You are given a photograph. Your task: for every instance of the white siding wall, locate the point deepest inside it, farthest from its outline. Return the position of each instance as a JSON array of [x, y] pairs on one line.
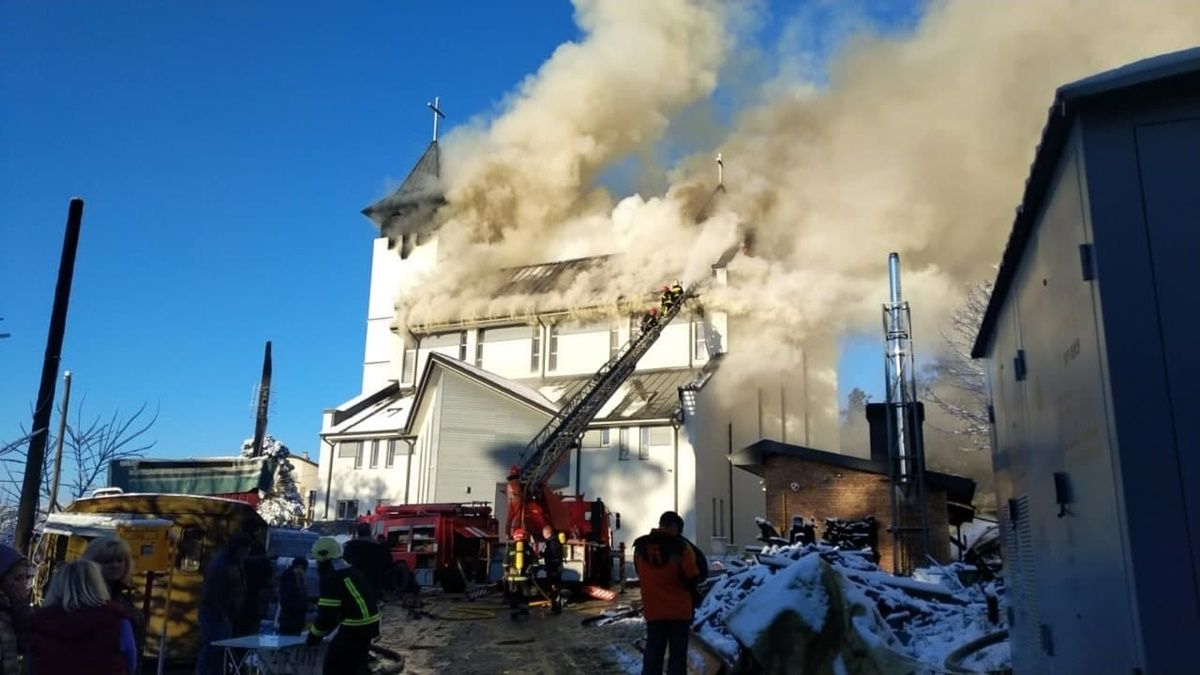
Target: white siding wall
[[482, 434], [671, 350], [580, 349], [369, 486], [508, 351], [639, 489], [389, 276]]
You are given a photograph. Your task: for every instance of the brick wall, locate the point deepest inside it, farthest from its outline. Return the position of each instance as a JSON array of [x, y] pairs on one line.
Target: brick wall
[[824, 491]]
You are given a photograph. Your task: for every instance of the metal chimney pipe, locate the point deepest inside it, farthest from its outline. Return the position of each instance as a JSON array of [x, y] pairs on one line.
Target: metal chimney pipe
[[894, 277]]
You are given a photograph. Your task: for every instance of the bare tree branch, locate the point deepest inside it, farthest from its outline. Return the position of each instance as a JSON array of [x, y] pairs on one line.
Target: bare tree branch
[[956, 382]]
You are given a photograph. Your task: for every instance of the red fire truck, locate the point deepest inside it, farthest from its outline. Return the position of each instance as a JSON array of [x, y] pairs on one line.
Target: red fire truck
[[446, 544]]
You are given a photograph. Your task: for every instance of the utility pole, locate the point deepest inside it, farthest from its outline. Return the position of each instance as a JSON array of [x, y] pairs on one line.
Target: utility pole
[[36, 456], [264, 400], [58, 445]]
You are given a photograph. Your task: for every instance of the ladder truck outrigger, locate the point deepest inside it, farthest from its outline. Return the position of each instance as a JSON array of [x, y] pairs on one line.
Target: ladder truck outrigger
[[532, 504]]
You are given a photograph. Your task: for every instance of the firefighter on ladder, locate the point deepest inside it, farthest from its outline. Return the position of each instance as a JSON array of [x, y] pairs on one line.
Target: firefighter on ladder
[[346, 604], [649, 319], [671, 296]]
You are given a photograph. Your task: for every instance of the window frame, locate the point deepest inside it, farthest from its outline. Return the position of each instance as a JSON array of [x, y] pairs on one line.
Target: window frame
[[644, 443], [535, 350], [614, 339], [358, 456], [699, 341], [374, 454], [552, 349], [623, 444], [342, 508], [462, 346]]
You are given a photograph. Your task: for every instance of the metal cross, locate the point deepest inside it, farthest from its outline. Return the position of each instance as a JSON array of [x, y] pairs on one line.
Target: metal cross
[[720, 170], [437, 112]]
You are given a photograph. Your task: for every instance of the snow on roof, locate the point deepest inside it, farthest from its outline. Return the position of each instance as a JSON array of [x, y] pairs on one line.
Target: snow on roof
[[505, 385], [385, 416], [98, 523]]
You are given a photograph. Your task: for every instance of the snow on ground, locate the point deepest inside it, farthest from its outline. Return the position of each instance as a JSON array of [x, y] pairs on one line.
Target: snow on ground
[[913, 619]]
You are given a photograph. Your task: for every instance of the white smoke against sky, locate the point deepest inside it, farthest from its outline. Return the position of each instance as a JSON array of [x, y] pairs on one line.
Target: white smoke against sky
[[916, 143]]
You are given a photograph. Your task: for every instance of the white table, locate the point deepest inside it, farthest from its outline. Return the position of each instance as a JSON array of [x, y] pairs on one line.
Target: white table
[[273, 654]]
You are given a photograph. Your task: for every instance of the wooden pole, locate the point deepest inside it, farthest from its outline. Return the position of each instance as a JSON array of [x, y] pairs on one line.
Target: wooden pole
[[58, 444], [35, 458]]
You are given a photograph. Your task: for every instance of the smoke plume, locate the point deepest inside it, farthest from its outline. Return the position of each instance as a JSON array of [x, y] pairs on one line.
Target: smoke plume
[[916, 143]]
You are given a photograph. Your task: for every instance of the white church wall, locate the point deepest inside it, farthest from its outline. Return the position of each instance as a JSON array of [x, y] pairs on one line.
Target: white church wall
[[481, 435], [671, 350], [508, 351], [576, 349], [390, 275], [361, 475], [639, 487]]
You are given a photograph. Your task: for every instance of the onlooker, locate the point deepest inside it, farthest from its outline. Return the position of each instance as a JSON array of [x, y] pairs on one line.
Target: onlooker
[[293, 598], [346, 605], [667, 570], [115, 559], [14, 608], [552, 561], [258, 573], [369, 557], [221, 600], [78, 629]]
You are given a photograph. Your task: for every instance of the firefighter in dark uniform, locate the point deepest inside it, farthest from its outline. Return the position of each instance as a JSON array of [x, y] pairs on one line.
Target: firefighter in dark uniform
[[347, 604], [552, 559]]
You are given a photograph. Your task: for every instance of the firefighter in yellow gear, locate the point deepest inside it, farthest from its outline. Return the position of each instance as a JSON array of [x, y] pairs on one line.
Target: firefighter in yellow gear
[[347, 604]]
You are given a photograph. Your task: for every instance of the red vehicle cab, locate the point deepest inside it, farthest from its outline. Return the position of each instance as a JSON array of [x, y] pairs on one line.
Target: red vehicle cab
[[446, 544]]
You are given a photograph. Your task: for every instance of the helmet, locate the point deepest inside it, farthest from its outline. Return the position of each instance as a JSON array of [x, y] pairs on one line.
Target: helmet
[[326, 548], [653, 311]]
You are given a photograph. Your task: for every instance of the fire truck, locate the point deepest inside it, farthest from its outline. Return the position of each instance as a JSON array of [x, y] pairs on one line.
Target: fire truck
[[532, 503], [445, 544]]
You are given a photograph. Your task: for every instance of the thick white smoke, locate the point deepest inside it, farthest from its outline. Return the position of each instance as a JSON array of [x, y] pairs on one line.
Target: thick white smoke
[[917, 144]]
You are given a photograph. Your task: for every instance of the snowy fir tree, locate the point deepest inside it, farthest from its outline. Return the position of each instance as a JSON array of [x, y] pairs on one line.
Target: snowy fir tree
[[282, 506]]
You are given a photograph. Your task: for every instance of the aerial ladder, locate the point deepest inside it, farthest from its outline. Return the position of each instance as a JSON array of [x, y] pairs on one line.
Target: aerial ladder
[[533, 504]]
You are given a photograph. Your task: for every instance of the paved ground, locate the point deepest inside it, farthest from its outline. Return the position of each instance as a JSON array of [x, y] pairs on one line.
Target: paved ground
[[480, 637]]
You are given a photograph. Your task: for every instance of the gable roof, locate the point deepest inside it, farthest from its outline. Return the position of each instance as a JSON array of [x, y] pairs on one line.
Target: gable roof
[[646, 395], [549, 276], [1068, 101], [513, 390]]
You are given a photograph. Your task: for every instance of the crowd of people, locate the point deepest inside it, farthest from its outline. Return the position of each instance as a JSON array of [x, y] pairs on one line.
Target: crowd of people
[[87, 622]]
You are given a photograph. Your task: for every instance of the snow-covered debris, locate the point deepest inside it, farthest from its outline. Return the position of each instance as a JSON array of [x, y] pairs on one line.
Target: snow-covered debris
[[282, 506], [822, 609]]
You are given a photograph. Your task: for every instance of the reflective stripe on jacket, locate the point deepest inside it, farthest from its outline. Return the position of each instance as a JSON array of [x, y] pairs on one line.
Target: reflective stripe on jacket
[[346, 601]]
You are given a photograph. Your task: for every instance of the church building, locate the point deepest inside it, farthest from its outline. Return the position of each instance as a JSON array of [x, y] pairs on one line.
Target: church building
[[446, 410]]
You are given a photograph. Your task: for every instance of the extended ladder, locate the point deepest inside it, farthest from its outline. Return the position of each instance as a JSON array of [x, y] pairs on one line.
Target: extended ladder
[[546, 451]]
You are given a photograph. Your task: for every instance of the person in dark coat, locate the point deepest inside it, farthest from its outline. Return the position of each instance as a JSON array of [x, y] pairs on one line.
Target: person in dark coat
[[293, 598], [552, 561], [259, 573], [14, 609], [78, 629], [115, 559], [221, 599], [370, 557]]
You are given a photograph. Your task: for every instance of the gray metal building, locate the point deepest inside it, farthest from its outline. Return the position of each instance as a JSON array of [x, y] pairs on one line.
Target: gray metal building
[[1092, 341]]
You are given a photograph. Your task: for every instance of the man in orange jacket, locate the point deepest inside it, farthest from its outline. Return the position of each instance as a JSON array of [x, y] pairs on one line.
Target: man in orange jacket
[[667, 571]]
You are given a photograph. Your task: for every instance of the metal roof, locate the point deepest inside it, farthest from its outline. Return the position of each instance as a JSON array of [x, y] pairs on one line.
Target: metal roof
[[422, 187], [547, 277], [646, 395], [1068, 100]]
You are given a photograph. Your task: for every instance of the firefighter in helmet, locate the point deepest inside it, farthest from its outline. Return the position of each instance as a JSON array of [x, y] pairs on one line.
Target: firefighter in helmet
[[346, 604], [649, 319]]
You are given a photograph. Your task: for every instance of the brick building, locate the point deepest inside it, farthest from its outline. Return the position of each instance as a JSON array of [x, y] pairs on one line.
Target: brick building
[[817, 484]]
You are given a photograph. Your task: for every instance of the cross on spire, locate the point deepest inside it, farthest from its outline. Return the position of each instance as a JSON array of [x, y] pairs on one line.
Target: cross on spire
[[720, 171], [437, 112]]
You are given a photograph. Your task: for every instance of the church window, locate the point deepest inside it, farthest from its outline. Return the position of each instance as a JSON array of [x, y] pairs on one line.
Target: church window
[[623, 445], [699, 341], [349, 449], [614, 340], [479, 351], [409, 369], [552, 355], [644, 445], [374, 454], [393, 449], [347, 509], [597, 438], [535, 354], [462, 345]]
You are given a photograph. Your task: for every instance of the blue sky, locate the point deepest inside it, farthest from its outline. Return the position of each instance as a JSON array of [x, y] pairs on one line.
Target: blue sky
[[224, 150]]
